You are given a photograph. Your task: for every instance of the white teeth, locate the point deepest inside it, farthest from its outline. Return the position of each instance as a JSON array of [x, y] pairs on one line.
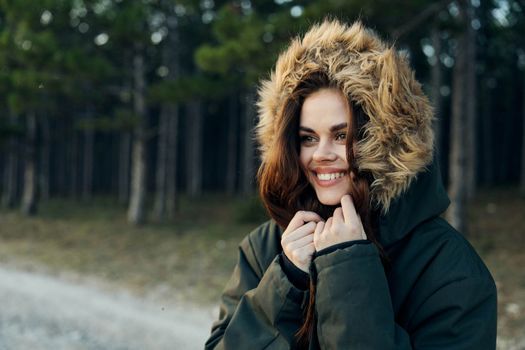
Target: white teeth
[[330, 176]]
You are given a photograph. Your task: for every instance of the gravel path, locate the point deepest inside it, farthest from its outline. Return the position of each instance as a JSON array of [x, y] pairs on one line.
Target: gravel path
[[45, 313], [40, 312]]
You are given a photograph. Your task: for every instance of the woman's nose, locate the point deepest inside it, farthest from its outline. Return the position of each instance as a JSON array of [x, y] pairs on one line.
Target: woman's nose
[[324, 152]]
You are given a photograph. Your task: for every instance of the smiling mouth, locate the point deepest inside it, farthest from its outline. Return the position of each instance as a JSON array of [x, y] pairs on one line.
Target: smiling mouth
[[329, 179], [329, 176]]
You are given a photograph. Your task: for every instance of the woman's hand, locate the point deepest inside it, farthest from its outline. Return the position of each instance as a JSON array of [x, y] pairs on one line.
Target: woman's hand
[[345, 225], [298, 239]]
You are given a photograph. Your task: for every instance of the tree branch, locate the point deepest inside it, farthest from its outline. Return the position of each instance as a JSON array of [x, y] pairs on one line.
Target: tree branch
[[417, 20]]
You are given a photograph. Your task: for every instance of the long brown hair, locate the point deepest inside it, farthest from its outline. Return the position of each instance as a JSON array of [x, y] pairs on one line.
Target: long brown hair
[[284, 188]]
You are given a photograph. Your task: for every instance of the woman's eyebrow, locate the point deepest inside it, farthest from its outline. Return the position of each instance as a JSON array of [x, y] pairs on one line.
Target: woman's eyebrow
[[338, 127], [304, 128], [332, 128]]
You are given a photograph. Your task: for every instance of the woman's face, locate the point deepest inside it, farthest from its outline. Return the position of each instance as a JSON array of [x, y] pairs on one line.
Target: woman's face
[[325, 116]]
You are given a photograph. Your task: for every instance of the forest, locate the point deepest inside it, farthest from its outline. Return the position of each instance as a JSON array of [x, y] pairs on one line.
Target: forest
[[147, 101]]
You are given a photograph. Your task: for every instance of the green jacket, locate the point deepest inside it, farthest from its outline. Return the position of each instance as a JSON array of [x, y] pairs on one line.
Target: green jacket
[[435, 292]]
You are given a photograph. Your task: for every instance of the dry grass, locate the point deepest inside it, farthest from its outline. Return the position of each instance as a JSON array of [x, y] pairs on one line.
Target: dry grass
[[497, 230], [191, 259]]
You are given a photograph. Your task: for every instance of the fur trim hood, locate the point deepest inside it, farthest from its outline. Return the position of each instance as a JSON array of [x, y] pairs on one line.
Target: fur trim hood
[[398, 138]]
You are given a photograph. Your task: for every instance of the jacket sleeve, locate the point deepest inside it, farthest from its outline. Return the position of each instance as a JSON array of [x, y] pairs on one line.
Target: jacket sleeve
[[354, 308], [260, 308]]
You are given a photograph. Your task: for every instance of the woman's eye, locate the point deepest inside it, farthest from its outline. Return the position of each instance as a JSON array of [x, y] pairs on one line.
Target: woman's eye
[[306, 139], [340, 136]]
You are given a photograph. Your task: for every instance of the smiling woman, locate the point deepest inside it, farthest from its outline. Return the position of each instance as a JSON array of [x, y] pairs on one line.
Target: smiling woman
[[325, 118], [355, 255]]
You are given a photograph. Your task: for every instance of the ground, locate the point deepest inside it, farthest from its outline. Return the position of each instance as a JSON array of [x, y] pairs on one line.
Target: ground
[[183, 265], [49, 313]]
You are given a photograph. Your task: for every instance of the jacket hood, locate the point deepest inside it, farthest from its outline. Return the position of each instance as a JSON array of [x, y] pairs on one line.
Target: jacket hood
[[398, 138], [426, 198]]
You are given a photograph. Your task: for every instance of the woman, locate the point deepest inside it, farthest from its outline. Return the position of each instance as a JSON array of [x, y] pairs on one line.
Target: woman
[[356, 255]]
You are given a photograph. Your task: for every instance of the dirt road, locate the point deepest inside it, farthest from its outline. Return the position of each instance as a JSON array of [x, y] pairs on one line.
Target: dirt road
[[46, 313]]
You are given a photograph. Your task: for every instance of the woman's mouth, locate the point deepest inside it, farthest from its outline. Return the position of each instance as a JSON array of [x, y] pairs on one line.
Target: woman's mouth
[[329, 179]]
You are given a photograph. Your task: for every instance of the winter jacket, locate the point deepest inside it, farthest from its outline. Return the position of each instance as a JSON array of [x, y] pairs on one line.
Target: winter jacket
[[433, 292]]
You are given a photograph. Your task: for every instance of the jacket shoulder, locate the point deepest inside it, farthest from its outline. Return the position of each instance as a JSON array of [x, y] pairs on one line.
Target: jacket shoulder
[[262, 245]]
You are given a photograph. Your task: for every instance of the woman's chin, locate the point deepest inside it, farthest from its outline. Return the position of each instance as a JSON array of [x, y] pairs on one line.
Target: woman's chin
[[330, 198], [331, 195]]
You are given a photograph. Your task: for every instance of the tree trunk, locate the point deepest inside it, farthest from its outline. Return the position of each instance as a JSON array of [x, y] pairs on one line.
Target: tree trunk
[[45, 159], [173, 64], [171, 162], [11, 170], [29, 196], [247, 175], [159, 209], [138, 176], [63, 147], [73, 164], [488, 151], [457, 170], [437, 81], [194, 155], [165, 185], [471, 104], [231, 163], [87, 179], [123, 167], [522, 177], [166, 180]]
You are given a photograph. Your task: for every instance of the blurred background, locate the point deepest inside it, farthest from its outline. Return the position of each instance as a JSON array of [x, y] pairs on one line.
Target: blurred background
[[126, 146]]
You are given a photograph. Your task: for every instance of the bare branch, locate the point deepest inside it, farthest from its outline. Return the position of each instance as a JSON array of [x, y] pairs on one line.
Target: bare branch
[[417, 20]]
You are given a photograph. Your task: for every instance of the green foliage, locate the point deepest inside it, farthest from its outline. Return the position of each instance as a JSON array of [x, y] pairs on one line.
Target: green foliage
[[129, 22], [60, 67], [218, 59], [33, 52], [240, 50], [172, 90], [186, 88]]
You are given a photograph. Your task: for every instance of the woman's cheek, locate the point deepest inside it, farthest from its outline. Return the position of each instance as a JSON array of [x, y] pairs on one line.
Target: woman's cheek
[[305, 157]]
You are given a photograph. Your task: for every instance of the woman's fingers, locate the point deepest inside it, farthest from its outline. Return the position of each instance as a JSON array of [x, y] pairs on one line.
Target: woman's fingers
[[345, 225], [328, 225], [300, 243], [318, 231], [300, 232], [302, 223], [302, 217], [322, 234], [349, 212], [338, 218], [352, 218]]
